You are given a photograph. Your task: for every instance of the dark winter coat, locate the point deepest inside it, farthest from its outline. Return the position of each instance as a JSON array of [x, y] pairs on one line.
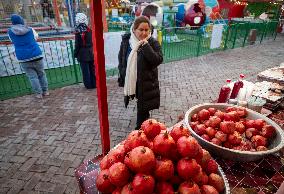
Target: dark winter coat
[[84, 47], [149, 57]]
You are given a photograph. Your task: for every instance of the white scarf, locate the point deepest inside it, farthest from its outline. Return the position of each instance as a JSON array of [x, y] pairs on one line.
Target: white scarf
[[131, 69]]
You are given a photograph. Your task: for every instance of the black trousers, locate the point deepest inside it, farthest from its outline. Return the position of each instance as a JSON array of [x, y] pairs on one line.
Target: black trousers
[[141, 117], [89, 77]]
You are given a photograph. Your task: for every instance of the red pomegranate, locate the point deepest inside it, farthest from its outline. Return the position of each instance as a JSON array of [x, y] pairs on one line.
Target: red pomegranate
[[268, 131], [219, 114], [208, 189], [212, 111], [163, 144], [164, 169], [104, 163], [116, 155], [188, 147], [240, 127], [200, 129], [194, 118], [206, 137], [200, 178], [216, 141], [127, 161], [211, 132], [128, 189], [119, 174], [231, 116], [235, 138], [141, 159], [259, 140], [164, 188], [227, 127], [214, 121], [143, 184], [151, 128], [221, 136], [187, 168], [259, 123], [211, 167], [188, 187], [103, 182], [203, 158], [203, 115], [179, 131], [216, 181], [135, 139], [249, 123], [194, 124]]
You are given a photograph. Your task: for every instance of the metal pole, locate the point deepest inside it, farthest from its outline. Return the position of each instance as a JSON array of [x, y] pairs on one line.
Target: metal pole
[[70, 12], [99, 58]]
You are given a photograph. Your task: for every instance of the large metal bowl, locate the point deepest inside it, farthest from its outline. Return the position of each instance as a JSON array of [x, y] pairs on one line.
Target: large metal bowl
[[275, 145]]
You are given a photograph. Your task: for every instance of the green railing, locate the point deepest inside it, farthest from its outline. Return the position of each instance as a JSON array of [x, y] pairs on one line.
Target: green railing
[[60, 66], [177, 43], [182, 43]]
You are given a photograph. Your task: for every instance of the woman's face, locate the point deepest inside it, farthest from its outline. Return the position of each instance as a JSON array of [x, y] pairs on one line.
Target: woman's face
[[142, 31]]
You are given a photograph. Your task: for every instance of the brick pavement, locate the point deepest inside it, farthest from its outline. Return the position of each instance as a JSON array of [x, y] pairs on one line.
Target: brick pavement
[[43, 141]]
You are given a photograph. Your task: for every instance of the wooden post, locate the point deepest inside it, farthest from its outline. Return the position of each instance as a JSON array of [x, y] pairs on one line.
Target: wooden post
[[99, 58], [57, 14]]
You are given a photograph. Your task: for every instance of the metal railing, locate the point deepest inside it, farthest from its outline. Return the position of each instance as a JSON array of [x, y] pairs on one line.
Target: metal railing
[[60, 66], [180, 43]]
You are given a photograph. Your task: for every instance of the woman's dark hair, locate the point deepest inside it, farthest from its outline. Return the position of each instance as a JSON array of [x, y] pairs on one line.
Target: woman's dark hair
[[139, 20]]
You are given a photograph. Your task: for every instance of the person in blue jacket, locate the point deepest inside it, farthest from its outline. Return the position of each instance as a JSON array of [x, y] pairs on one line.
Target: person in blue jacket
[[29, 54]]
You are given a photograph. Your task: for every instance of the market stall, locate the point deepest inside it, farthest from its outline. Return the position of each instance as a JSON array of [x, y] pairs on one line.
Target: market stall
[[242, 171]]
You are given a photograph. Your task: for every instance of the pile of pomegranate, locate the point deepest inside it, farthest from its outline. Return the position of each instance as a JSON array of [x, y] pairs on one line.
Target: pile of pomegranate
[[154, 160], [231, 129]]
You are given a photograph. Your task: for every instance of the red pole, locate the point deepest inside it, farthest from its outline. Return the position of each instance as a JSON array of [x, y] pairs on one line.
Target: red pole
[[57, 15], [99, 58]]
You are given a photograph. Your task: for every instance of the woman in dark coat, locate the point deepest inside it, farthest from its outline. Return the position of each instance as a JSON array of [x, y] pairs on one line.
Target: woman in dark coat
[[84, 50], [139, 58]]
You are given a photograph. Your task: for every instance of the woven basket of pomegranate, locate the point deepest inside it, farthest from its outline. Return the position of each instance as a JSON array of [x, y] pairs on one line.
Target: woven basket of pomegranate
[[233, 132], [158, 160]]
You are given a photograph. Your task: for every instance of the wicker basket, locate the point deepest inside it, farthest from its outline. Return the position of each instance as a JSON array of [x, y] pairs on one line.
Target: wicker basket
[[236, 155]]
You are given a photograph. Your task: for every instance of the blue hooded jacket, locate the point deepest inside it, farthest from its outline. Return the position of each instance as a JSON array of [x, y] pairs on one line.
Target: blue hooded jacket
[[26, 47]]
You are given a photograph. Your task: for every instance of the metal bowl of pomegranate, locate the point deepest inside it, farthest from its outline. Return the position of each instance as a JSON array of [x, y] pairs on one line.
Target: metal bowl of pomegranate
[[233, 132]]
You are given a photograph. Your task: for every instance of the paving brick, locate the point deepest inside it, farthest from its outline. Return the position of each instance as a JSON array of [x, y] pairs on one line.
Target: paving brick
[[70, 172], [56, 152], [50, 140], [23, 175], [61, 179], [26, 166], [39, 168], [59, 189], [45, 187]]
